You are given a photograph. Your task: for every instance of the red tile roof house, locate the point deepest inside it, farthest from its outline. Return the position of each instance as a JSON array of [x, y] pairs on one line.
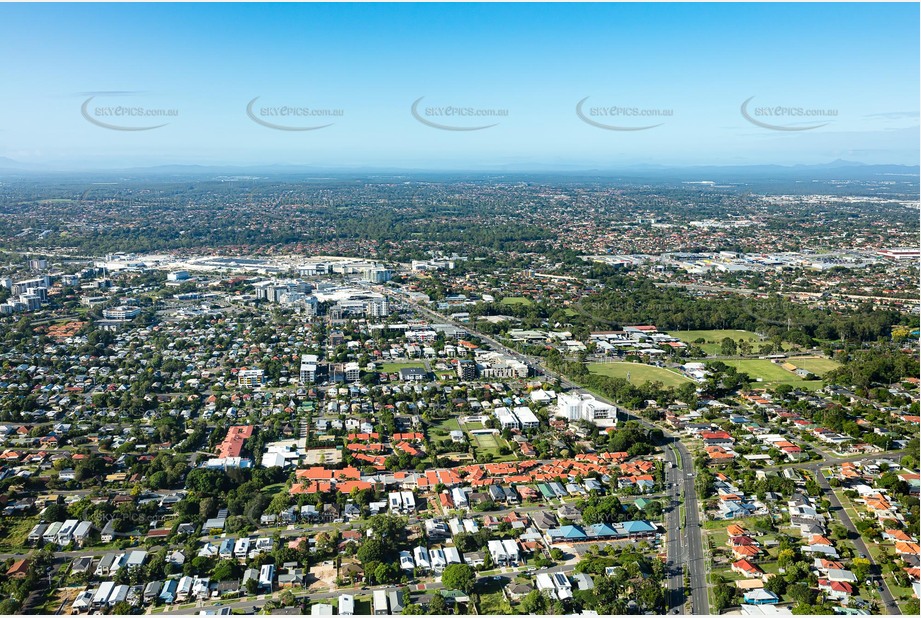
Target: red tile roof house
[[717, 438], [746, 568], [839, 591], [19, 570]]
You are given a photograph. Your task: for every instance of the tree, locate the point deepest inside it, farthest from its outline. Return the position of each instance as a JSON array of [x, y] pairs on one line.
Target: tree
[[534, 602], [225, 570], [861, 568], [776, 584], [725, 597], [386, 573], [9, 606], [801, 593], [372, 550], [728, 346], [438, 605], [459, 577]]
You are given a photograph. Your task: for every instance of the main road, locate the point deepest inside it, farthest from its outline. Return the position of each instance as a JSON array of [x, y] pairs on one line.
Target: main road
[[683, 551]]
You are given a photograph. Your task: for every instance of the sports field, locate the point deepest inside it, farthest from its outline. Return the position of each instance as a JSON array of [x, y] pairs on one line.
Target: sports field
[[818, 366], [764, 369], [639, 373], [395, 367], [713, 338], [516, 300], [486, 441], [771, 374]]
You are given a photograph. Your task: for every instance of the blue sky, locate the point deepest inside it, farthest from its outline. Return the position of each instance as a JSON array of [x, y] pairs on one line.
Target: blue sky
[[857, 64]]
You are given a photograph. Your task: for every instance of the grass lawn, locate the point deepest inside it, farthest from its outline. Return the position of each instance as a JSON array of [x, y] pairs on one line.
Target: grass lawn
[[719, 537], [273, 489], [363, 606], [486, 441], [728, 574], [764, 369], [818, 366], [639, 373], [493, 604], [395, 367], [713, 338], [14, 531], [447, 425], [516, 300], [721, 524], [771, 374]]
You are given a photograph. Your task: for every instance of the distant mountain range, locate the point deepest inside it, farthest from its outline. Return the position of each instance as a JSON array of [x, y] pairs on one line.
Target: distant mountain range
[[838, 169]]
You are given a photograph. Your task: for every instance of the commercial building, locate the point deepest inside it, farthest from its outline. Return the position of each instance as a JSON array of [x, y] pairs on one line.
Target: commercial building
[[584, 407], [250, 378]]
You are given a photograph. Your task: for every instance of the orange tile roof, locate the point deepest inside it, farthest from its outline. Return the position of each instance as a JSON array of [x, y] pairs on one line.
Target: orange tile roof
[[902, 547], [898, 535], [232, 445], [735, 530]]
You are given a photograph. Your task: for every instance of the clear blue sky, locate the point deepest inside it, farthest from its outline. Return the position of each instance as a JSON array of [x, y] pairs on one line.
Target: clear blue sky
[[536, 61]]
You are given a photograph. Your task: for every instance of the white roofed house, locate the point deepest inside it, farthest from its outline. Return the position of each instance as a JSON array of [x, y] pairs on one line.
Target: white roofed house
[[545, 584], [65, 533], [346, 605], [584, 407], [422, 558], [439, 561], [563, 587], [379, 600], [83, 601], [267, 577], [459, 497], [452, 556], [511, 550], [185, 587], [101, 597], [119, 594], [135, 558], [506, 418], [82, 533], [406, 561], [497, 552], [526, 418]]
